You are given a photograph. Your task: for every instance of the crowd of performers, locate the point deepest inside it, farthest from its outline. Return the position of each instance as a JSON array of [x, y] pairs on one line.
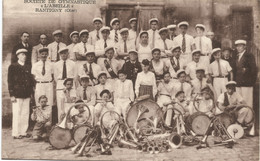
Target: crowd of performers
[[108, 69]]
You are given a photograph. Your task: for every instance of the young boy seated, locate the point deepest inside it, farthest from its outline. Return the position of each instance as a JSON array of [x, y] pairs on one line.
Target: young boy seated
[[42, 115], [103, 84], [69, 95], [79, 114], [103, 107]]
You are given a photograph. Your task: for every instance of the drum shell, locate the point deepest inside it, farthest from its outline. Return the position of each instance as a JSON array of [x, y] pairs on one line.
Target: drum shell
[[60, 138], [226, 119], [80, 131], [198, 122]]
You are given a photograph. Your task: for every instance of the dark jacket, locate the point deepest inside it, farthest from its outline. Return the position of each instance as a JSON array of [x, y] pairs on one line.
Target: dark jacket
[[20, 81], [247, 77], [129, 67], [14, 58]]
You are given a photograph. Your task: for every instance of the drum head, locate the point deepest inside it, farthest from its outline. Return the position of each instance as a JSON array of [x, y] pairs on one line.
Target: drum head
[[60, 138], [153, 111], [248, 115], [80, 131], [225, 119], [236, 131], [200, 123]]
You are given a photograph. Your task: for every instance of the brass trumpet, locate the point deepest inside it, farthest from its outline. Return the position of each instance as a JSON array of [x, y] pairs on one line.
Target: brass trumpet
[[122, 141], [175, 141]]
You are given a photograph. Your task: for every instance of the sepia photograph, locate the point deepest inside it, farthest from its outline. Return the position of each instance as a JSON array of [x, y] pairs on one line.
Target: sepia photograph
[[149, 80]]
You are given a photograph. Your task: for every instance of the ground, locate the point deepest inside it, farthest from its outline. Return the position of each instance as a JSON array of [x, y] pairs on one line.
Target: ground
[[246, 149]]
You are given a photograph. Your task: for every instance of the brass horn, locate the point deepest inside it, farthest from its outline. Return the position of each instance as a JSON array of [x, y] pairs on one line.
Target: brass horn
[[111, 139], [76, 148], [122, 141], [175, 141]]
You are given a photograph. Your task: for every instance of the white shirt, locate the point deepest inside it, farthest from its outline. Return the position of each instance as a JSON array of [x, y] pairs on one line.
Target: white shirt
[[158, 67], [37, 71], [115, 65], [186, 88], [99, 88], [58, 71], [72, 55], [233, 99], [198, 85], [204, 44], [112, 35], [189, 41], [95, 68], [124, 90], [159, 43], [120, 47], [132, 35], [79, 48], [93, 37], [145, 79], [169, 65], [144, 53], [191, 68], [165, 88], [150, 34], [35, 52], [100, 46], [53, 51], [224, 66]]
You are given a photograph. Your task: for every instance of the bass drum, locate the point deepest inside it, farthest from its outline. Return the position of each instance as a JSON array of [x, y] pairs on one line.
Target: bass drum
[[226, 119], [198, 122], [60, 137], [80, 131], [154, 111]]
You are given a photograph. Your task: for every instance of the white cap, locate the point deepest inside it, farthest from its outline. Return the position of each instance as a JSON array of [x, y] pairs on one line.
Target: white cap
[[176, 47], [171, 26], [83, 31], [240, 42], [74, 32], [21, 51], [108, 48], [132, 51], [155, 49], [113, 20], [57, 32], [142, 32], [153, 19], [201, 26], [200, 68], [196, 51], [231, 83], [132, 19], [215, 50], [163, 29], [105, 28], [123, 30], [84, 76], [90, 52], [97, 19], [63, 49], [183, 23], [101, 72], [179, 72]]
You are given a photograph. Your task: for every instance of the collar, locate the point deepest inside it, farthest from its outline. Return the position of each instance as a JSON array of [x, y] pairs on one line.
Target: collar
[[25, 44], [21, 63], [241, 54]]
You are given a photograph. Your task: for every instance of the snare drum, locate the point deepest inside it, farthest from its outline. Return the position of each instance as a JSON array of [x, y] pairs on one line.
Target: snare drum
[[198, 122], [60, 137], [80, 131]]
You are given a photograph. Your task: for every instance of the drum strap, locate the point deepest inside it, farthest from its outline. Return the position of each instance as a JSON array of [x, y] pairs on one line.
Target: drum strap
[[111, 72], [226, 102]]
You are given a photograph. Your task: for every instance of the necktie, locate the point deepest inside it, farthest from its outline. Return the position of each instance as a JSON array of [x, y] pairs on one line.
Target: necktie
[[181, 86], [165, 45], [219, 69], [98, 35], [153, 39], [85, 49], [64, 72], [125, 47], [178, 64], [116, 36], [105, 45], [58, 56], [84, 94], [43, 68], [90, 71], [183, 44]]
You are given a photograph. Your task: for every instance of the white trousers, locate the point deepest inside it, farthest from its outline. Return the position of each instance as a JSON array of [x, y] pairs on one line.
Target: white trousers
[[219, 85], [121, 105], [59, 94], [20, 122], [44, 89]]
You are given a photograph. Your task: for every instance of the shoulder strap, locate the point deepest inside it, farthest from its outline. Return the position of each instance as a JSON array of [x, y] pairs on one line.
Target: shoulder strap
[[109, 69], [226, 102]]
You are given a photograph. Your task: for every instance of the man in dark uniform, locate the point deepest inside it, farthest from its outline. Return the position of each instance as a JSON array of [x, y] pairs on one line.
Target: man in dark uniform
[[24, 44], [20, 86], [132, 67]]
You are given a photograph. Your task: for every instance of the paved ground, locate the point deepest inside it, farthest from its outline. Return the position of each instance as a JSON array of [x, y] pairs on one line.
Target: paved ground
[[247, 149]]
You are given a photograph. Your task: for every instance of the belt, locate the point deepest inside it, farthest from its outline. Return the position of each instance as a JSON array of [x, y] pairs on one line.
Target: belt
[[166, 95], [220, 77], [43, 81]]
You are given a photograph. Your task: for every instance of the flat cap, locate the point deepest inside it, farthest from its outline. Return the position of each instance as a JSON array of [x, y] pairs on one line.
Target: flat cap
[[74, 33], [132, 51], [200, 26], [176, 47], [44, 49], [123, 30], [97, 19], [113, 21], [83, 31], [155, 49], [183, 23], [105, 28], [215, 50], [57, 32], [196, 51], [231, 83], [180, 72], [153, 19], [63, 49], [109, 48], [163, 29], [240, 42], [21, 51], [132, 19], [171, 26]]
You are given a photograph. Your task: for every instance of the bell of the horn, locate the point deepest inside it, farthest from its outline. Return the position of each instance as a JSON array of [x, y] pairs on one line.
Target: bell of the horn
[[122, 141], [82, 149], [75, 148], [175, 141]]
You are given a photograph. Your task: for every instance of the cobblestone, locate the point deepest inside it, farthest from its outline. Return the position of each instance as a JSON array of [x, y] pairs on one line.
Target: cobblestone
[[246, 149]]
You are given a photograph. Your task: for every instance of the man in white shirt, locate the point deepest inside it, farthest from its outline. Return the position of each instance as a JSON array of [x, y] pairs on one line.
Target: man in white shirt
[[171, 31], [65, 68], [35, 49], [203, 43], [95, 35], [181, 85], [185, 40], [74, 37], [114, 33], [132, 30], [43, 74], [164, 44], [153, 32], [55, 46]]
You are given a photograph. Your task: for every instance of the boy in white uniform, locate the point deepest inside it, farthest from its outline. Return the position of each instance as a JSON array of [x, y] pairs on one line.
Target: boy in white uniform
[[153, 33], [114, 33], [74, 37], [132, 30], [164, 44], [95, 35], [181, 85], [55, 46]]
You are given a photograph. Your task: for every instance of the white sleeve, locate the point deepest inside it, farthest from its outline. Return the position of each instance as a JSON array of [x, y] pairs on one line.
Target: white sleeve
[[137, 85]]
